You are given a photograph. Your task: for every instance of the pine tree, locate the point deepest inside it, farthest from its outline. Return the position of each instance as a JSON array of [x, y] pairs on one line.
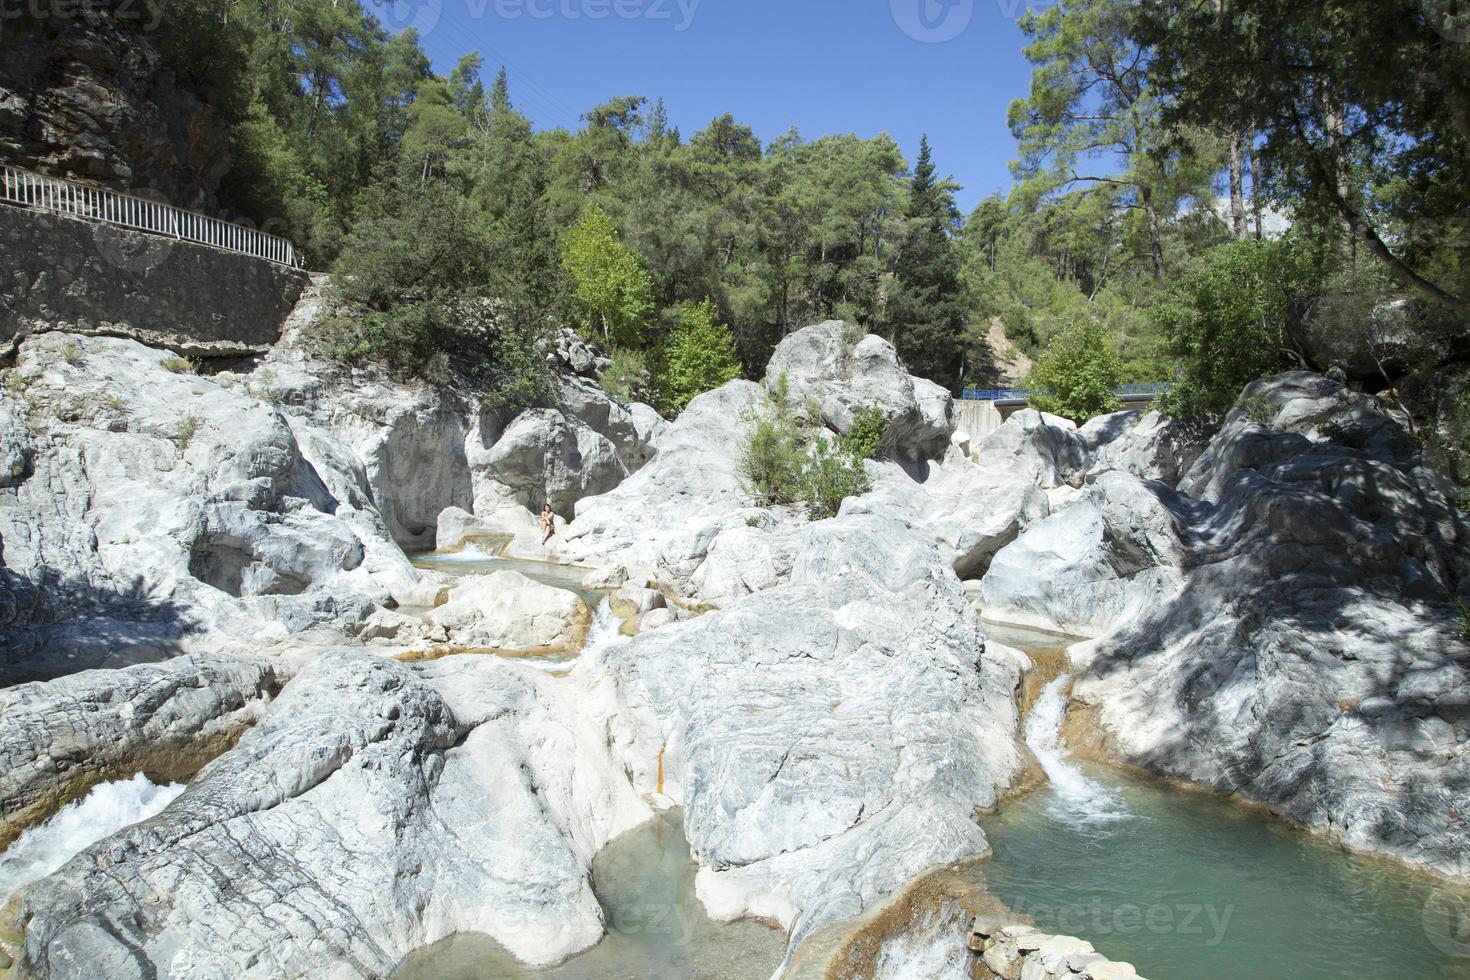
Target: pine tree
[[926, 311]]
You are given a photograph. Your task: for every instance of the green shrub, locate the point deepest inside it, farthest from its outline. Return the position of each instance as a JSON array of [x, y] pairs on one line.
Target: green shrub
[[450, 337], [1259, 410], [628, 378], [829, 475], [865, 438], [188, 428], [1076, 375], [1227, 321], [1462, 608], [781, 464], [771, 454], [71, 353], [700, 356], [178, 365]]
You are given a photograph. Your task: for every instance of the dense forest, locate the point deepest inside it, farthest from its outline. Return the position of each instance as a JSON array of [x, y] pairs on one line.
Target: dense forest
[[1205, 190]]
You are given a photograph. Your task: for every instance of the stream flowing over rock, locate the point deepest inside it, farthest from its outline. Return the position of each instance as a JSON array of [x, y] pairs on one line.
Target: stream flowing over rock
[[1272, 615], [377, 808], [1283, 627]]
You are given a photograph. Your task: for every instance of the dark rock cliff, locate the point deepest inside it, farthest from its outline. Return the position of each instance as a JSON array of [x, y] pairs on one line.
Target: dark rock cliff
[[85, 93]]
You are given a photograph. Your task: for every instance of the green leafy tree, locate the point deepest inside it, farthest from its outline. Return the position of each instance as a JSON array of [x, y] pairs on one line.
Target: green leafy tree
[[609, 282], [699, 356], [1076, 376], [1227, 321], [1362, 106]]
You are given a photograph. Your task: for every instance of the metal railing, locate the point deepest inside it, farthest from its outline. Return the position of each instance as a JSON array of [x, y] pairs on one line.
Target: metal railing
[[1153, 389], [34, 190]]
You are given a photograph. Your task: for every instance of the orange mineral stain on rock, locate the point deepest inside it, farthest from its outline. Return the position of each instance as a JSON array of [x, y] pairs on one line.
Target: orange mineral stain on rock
[[661, 769]]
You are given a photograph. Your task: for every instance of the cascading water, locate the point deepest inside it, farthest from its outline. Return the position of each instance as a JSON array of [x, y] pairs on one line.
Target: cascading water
[[1076, 799], [605, 629], [108, 808]]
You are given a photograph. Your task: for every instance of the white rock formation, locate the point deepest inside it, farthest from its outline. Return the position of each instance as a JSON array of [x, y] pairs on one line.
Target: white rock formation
[[61, 737], [1032, 446], [377, 808], [1147, 446], [508, 611], [969, 512], [1291, 638], [1102, 561], [871, 722], [155, 505], [844, 372]]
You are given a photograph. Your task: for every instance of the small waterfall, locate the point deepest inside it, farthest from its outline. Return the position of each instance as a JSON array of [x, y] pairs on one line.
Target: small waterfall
[[108, 808], [606, 628], [928, 956], [1077, 800]]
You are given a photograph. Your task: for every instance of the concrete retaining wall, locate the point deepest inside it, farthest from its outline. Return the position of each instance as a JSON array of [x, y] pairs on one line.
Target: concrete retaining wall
[[977, 419], [61, 273]]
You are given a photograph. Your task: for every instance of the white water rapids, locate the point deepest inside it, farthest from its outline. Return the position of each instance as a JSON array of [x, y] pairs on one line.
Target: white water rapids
[[1077, 800], [108, 808]]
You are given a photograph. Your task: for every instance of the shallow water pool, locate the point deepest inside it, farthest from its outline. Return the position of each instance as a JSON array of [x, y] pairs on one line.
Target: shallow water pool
[[1187, 885], [657, 929]]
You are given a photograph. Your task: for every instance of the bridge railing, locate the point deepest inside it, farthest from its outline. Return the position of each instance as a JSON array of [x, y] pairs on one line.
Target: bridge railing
[[34, 190], [1023, 394]]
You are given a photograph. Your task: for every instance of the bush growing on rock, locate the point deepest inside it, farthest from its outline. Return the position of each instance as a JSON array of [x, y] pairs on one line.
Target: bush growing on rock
[[829, 475], [865, 437], [628, 378], [770, 454], [783, 464]]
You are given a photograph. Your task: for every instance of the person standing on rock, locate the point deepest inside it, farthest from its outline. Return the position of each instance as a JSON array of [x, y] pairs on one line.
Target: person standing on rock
[[548, 524]]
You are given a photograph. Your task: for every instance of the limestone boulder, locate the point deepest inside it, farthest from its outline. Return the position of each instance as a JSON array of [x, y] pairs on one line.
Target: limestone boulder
[[1107, 558], [1146, 445], [664, 517], [156, 509], [1290, 638], [61, 737], [1032, 446], [844, 372], [969, 513], [546, 457], [506, 610], [377, 808], [873, 720]]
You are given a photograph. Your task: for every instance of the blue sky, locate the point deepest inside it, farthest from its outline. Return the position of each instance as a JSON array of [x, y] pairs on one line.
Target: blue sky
[[827, 66]]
